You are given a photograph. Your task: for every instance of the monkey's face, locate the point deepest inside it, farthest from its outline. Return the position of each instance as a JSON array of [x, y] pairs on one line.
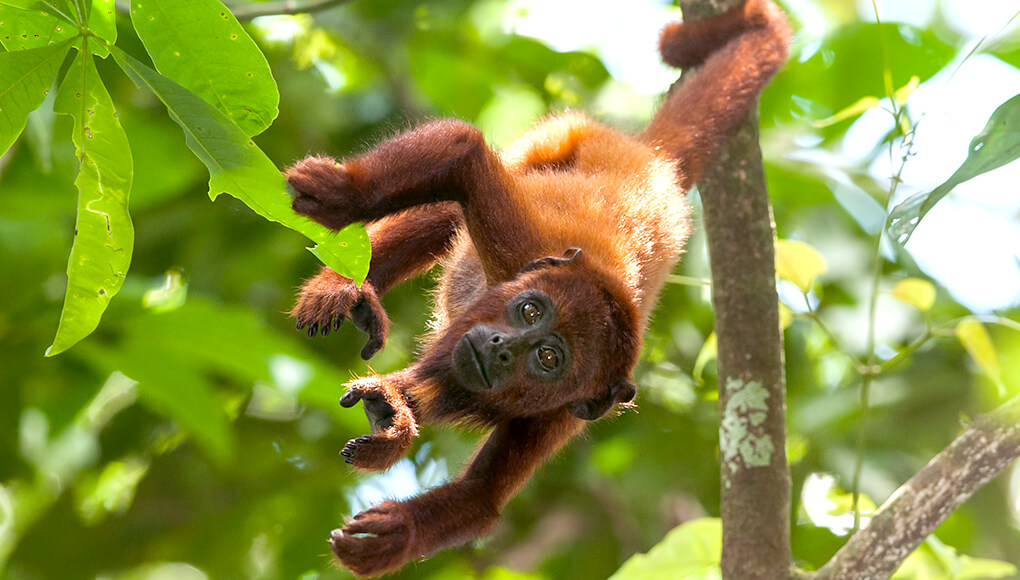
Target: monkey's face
[[487, 357], [554, 336]]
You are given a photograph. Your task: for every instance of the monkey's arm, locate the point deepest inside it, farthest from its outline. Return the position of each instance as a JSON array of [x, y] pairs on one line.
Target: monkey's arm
[[441, 161], [403, 245], [738, 53], [384, 538]]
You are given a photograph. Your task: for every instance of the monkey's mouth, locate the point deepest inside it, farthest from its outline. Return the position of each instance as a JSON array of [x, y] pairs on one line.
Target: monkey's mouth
[[469, 366]]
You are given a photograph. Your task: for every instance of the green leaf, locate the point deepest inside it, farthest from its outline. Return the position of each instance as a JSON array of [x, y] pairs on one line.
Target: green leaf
[[690, 551], [799, 263], [983, 568], [708, 353], [973, 336], [201, 46], [25, 78], [916, 292], [169, 384], [996, 145], [104, 236], [238, 167], [25, 28], [103, 21]]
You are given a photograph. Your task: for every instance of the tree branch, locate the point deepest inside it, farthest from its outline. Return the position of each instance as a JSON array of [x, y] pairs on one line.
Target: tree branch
[[246, 12], [913, 512], [755, 502]]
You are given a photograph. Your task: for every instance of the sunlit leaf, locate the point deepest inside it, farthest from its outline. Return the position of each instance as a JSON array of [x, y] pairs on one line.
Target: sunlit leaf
[[903, 93], [112, 491], [785, 316], [996, 145], [103, 21], [104, 236], [854, 110], [25, 78], [239, 168], [32, 27], [799, 263], [201, 46], [690, 551], [170, 296], [973, 336], [708, 353], [916, 292], [982, 568]]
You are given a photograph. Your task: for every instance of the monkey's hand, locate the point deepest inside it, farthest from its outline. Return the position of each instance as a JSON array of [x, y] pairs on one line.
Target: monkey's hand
[[324, 190], [328, 299], [376, 541], [389, 535], [393, 425]]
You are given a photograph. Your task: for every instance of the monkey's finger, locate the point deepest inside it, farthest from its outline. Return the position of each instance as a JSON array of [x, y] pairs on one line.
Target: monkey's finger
[[371, 347], [351, 398], [362, 315]]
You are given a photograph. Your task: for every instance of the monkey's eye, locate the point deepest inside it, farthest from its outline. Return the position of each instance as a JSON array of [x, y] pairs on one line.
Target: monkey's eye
[[548, 358], [530, 313]]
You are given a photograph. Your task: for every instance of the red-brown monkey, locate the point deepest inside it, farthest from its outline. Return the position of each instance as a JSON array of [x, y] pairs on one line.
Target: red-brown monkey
[[556, 250]]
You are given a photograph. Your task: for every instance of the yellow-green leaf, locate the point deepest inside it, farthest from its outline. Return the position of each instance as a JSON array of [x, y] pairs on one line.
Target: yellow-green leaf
[[25, 77], [904, 92], [103, 234], [973, 336], [799, 263], [862, 104], [709, 352], [916, 292]]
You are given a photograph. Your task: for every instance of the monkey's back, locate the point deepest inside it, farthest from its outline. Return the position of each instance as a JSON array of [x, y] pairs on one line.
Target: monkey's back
[[582, 185]]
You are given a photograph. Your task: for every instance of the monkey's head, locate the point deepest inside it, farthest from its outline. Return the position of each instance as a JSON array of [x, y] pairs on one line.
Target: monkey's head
[[560, 334]]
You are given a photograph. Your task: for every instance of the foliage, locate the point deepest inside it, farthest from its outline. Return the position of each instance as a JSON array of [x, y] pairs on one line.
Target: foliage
[[194, 433]]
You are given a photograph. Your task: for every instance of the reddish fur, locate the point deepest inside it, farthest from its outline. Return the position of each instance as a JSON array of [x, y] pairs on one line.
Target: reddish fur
[[567, 183]]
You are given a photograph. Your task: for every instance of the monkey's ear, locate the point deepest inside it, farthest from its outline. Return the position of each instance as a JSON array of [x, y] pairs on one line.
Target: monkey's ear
[[569, 256], [622, 391]]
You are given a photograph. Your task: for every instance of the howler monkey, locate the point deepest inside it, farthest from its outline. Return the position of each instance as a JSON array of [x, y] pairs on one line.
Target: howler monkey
[[555, 251]]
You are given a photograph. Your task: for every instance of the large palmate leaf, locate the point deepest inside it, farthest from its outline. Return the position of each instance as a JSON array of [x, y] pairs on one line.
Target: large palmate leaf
[[25, 77], [103, 234], [996, 145], [201, 46], [32, 27], [238, 167]]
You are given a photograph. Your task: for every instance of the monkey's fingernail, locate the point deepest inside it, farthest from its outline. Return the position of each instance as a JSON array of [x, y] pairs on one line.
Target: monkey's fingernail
[[349, 399], [325, 329], [345, 452], [337, 321], [300, 323], [313, 330]]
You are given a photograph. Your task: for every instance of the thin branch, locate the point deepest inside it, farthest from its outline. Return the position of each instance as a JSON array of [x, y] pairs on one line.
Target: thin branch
[[246, 12], [913, 512]]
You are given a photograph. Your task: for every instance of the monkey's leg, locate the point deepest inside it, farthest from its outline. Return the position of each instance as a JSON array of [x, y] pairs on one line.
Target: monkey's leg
[[403, 245], [384, 538]]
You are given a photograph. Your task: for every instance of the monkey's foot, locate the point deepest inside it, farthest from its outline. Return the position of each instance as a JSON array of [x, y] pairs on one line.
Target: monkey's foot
[[376, 541]]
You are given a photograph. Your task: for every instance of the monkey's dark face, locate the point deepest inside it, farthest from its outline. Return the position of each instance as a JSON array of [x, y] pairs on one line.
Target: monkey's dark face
[[488, 357], [554, 336]]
